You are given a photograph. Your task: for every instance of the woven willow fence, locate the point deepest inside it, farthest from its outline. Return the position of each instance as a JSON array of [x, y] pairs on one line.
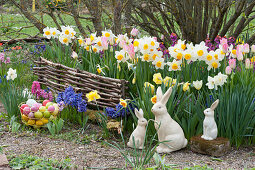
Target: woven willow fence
[[58, 77]]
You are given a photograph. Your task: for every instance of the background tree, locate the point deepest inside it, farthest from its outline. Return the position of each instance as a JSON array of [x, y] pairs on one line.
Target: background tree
[[193, 20]]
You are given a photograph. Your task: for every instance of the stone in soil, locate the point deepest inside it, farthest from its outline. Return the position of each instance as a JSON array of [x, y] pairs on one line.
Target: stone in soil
[[217, 147], [3, 161]]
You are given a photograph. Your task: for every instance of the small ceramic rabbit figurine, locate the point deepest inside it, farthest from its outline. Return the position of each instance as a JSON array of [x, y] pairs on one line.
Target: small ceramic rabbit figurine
[[170, 133], [138, 134], [210, 130]]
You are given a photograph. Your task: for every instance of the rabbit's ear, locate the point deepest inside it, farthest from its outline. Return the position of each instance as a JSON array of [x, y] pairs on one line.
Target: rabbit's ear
[[137, 113], [215, 104], [166, 96], [159, 93], [141, 112]]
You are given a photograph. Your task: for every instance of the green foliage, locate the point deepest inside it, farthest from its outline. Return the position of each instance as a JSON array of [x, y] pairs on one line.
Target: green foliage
[[235, 113], [55, 126], [33, 162], [135, 158], [160, 163], [14, 126], [11, 98], [102, 121]]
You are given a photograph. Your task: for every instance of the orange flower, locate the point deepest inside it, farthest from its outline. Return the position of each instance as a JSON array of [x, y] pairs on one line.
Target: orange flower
[[154, 99], [1, 44]]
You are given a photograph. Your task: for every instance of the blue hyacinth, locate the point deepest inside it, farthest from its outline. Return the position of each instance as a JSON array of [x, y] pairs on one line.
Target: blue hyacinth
[[120, 111], [69, 97]]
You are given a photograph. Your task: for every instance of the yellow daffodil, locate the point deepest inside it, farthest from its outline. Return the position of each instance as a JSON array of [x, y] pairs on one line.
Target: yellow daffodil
[[186, 86], [157, 78], [92, 96], [123, 103], [148, 85], [154, 99]]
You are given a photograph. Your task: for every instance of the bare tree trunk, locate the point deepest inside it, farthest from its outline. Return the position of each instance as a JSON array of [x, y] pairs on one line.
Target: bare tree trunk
[[94, 7], [117, 6], [127, 19], [241, 25], [40, 26], [76, 17]]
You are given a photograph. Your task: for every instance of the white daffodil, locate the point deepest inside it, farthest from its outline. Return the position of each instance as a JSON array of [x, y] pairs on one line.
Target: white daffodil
[[198, 84], [64, 39], [81, 41], [68, 31], [74, 55], [54, 32], [47, 32], [210, 83], [201, 50], [11, 74], [121, 56], [174, 65], [159, 63]]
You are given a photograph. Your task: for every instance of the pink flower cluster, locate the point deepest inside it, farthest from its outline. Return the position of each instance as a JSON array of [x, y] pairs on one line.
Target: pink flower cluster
[[3, 59], [36, 90]]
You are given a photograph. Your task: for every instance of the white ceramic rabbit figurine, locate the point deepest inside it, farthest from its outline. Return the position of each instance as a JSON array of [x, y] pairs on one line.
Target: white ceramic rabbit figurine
[[138, 134], [170, 133], [210, 130]]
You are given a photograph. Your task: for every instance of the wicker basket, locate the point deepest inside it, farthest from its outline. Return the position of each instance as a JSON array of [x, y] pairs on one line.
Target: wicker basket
[[25, 119]]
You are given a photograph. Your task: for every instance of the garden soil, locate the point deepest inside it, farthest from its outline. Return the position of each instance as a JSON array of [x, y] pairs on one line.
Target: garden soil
[[96, 154]]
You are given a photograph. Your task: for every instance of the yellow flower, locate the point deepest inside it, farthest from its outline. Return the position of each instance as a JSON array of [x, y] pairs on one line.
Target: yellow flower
[[134, 80], [92, 96], [186, 86], [123, 103], [148, 85], [154, 99], [157, 78], [167, 81]]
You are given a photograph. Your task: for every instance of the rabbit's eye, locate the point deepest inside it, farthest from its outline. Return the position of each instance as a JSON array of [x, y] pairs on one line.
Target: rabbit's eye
[[159, 107]]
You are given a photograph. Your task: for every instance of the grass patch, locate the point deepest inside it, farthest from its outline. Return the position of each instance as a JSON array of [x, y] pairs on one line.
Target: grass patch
[[33, 162]]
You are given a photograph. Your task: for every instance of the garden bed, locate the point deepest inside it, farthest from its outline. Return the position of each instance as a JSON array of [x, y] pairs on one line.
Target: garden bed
[[57, 77]]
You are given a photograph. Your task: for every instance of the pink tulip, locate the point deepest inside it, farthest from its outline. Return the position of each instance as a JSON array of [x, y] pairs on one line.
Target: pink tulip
[[224, 44], [248, 64], [131, 51], [239, 52], [232, 63], [246, 48], [104, 42], [134, 32], [228, 70]]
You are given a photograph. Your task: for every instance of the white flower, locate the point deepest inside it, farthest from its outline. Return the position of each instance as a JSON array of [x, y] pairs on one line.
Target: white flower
[[198, 84], [11, 74], [174, 65], [26, 92], [47, 32], [81, 41], [64, 39], [74, 55], [54, 32], [121, 56], [210, 83], [159, 63], [68, 31], [220, 79], [253, 48], [201, 50]]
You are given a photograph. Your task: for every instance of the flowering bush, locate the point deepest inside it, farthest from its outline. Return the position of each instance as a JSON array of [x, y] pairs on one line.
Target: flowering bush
[[147, 64]]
